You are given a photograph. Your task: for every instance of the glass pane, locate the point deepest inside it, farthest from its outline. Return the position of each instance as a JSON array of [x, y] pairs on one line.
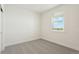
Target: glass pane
[[58, 23]]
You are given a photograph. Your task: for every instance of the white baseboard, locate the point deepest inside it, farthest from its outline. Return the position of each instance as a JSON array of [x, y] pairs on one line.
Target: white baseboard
[[35, 38], [30, 39], [45, 38]]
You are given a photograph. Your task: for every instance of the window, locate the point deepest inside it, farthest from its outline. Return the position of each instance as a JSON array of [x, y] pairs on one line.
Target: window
[[58, 22]]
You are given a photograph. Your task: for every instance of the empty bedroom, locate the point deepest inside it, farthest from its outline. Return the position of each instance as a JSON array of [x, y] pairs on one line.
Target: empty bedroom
[[39, 28]]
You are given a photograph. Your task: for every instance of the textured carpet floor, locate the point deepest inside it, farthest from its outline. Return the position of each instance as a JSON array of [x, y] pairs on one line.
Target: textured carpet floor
[[39, 46]]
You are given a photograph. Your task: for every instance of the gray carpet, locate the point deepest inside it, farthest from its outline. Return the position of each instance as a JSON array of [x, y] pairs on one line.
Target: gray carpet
[[38, 47]]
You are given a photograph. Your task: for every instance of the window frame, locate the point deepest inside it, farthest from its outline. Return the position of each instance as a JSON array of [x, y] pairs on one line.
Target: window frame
[[57, 14]]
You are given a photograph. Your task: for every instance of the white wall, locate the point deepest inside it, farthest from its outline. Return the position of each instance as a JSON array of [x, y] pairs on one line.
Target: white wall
[[70, 36], [21, 25]]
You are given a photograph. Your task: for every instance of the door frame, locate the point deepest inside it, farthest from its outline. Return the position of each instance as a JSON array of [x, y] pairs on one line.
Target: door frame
[[3, 27]]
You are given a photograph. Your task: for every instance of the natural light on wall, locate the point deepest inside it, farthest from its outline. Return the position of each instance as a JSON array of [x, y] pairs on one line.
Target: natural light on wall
[[58, 21]]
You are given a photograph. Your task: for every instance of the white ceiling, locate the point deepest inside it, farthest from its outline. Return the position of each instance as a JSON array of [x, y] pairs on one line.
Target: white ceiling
[[37, 7]]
